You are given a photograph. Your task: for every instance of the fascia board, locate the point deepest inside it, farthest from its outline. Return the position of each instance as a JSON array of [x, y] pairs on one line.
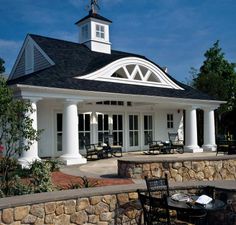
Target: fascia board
[[36, 91]]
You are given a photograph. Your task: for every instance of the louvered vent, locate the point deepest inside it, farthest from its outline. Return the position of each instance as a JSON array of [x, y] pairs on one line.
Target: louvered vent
[[39, 61]]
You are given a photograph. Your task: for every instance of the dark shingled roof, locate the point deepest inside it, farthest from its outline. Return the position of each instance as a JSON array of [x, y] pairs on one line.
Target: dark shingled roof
[[94, 15], [73, 59]]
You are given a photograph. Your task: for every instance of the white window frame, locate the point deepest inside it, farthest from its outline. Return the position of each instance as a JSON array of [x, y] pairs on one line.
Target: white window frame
[[170, 120], [84, 32], [100, 31]]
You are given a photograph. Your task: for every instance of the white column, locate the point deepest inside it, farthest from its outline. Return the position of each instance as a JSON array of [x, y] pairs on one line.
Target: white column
[[209, 130], [31, 155], [70, 137], [191, 144]]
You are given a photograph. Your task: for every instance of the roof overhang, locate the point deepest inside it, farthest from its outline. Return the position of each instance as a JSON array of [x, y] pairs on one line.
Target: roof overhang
[[27, 91]]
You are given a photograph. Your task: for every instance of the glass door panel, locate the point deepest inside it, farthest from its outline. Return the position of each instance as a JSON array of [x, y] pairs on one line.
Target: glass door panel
[[84, 130], [103, 127], [117, 129], [59, 132], [133, 130], [148, 130]]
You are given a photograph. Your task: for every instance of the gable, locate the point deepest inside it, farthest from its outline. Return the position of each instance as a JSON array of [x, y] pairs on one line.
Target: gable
[[30, 59], [133, 70]]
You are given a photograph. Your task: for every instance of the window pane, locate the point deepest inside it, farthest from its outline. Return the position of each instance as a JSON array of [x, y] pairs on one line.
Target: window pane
[[87, 122], [106, 122], [131, 138], [120, 138], [150, 122], [120, 122], [145, 122], [59, 142], [100, 122], [59, 122], [136, 138], [135, 122], [81, 122], [114, 122], [131, 127]]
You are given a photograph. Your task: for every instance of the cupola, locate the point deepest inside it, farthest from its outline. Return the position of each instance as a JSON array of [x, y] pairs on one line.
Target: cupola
[[94, 31]]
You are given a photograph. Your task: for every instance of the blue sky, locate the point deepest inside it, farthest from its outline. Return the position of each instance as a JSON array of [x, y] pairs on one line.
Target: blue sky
[[173, 33]]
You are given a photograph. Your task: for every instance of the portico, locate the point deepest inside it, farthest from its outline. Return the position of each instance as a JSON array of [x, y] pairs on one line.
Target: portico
[[87, 90]]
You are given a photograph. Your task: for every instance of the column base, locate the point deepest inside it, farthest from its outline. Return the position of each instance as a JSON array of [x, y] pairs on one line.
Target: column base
[[26, 161], [193, 149], [209, 147], [73, 159]]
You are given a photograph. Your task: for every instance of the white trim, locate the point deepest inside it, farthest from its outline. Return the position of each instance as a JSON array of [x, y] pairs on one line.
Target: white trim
[[105, 73], [22, 90], [28, 40]]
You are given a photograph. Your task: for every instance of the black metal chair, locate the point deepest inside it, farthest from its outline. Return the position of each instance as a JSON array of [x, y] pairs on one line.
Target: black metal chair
[[175, 142], [158, 190], [158, 184], [115, 149], [155, 147], [156, 212]]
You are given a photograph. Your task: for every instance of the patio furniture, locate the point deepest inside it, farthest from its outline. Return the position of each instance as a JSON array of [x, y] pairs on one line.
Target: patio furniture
[[157, 184], [94, 150], [155, 147], [156, 212], [115, 149], [175, 142]]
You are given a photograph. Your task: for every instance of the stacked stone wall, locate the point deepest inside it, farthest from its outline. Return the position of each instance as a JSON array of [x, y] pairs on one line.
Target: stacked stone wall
[[180, 170]]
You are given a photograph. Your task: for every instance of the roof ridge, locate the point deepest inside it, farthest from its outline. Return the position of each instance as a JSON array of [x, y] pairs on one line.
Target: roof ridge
[[56, 39]]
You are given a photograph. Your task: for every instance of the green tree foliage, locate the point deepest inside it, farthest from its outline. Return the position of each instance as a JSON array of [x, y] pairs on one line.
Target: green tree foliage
[[16, 132], [217, 78], [2, 68]]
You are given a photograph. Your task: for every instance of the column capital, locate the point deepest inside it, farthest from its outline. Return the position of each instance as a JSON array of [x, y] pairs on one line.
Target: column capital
[[72, 101], [209, 108], [32, 99], [191, 107]]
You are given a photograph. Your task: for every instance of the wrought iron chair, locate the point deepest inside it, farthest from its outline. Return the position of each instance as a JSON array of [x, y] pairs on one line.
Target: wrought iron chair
[[154, 213], [175, 142], [115, 149], [155, 147], [158, 190]]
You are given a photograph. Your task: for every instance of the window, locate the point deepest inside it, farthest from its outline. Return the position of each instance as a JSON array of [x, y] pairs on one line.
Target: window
[[59, 132], [170, 121], [100, 33], [85, 31]]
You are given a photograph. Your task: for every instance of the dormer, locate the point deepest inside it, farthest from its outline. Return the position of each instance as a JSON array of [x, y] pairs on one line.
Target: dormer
[[94, 32]]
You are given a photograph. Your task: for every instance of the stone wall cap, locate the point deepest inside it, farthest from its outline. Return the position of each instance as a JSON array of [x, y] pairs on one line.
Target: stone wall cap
[[156, 159]]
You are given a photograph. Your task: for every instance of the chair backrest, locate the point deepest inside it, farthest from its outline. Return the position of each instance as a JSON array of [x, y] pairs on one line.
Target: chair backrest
[[151, 208], [158, 184], [173, 136]]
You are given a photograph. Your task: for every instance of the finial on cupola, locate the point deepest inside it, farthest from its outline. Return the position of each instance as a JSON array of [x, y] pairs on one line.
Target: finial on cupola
[[94, 7]]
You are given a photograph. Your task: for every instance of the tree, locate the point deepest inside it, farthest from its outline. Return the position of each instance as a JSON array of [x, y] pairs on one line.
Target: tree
[[217, 78], [2, 68], [16, 131]]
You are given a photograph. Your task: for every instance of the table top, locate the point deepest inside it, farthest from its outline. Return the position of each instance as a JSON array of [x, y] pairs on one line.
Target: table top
[[214, 205]]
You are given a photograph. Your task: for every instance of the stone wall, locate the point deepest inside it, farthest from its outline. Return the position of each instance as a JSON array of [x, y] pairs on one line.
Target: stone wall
[[114, 205], [180, 169], [108, 209]]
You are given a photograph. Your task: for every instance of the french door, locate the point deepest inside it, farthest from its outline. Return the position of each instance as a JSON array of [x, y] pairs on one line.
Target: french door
[[103, 127], [117, 131], [110, 124], [84, 130], [147, 128], [134, 132]]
